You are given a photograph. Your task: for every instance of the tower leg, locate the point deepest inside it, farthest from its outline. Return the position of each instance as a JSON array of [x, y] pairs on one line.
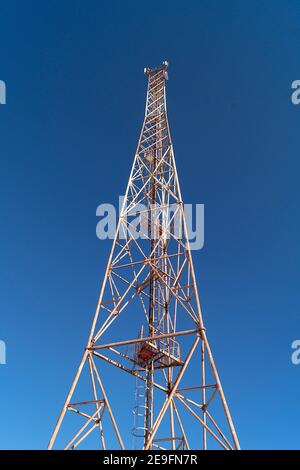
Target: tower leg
[[67, 402]]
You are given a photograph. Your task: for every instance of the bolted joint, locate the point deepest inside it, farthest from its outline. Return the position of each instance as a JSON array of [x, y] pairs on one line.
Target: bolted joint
[[200, 331]]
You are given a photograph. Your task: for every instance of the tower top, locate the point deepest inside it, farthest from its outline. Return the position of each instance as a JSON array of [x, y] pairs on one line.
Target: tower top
[[148, 71]]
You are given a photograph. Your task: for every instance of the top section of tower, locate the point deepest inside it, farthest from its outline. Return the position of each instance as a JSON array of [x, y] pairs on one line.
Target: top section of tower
[[163, 68], [156, 97]]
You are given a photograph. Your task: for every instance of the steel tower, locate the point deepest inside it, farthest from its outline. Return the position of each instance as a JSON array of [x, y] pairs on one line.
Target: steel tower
[[149, 285]]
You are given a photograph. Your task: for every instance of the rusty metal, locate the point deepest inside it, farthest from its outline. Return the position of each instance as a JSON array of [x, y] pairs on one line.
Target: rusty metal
[[156, 270]]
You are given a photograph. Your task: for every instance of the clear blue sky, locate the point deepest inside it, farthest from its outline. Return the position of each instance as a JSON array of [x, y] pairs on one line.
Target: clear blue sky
[[75, 103]]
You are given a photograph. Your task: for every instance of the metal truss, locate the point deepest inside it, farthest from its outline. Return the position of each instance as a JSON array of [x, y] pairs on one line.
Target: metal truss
[[152, 274]]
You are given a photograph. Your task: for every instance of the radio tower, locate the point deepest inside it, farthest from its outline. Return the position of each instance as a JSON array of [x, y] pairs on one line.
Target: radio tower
[[149, 288]]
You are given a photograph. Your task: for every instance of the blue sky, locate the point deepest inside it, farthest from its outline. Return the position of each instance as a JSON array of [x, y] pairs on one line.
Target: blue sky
[[75, 104]]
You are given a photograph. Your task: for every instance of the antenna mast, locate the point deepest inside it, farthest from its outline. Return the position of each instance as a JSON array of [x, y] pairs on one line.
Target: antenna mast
[[149, 282]]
